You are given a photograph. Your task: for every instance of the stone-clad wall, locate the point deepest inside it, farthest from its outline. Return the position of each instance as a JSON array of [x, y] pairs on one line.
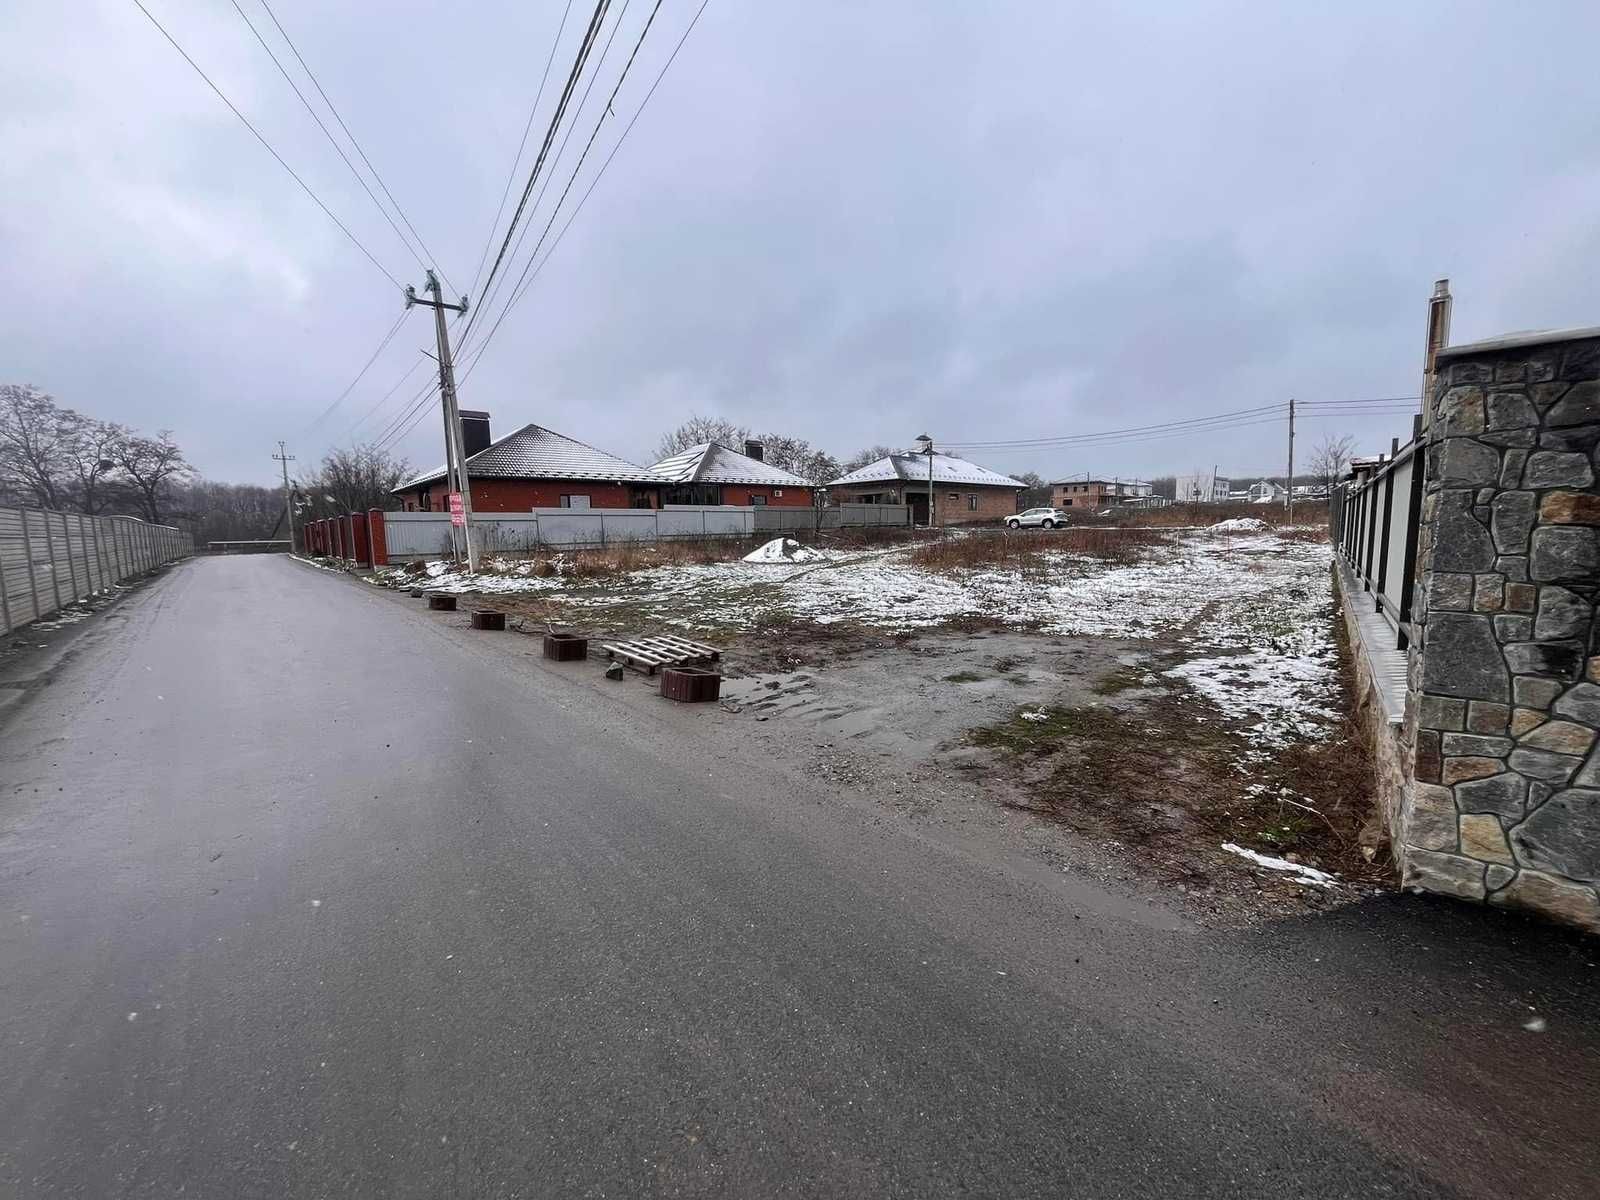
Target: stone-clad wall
[[1504, 696]]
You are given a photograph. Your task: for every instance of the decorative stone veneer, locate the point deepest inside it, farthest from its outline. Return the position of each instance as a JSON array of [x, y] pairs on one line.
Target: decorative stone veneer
[[1503, 698]]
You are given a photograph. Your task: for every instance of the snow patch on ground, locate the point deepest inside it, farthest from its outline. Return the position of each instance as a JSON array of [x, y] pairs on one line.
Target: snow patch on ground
[[1300, 871], [783, 550], [1239, 525]]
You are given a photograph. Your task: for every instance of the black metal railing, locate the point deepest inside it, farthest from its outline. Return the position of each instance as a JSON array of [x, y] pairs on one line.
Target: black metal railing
[[1374, 517]]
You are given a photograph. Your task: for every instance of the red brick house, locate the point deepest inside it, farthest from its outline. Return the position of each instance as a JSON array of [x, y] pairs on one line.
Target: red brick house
[[964, 493], [534, 467], [713, 474]]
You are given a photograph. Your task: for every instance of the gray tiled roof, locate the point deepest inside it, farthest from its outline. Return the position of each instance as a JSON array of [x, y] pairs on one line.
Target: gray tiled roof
[[534, 452], [913, 468], [711, 463]]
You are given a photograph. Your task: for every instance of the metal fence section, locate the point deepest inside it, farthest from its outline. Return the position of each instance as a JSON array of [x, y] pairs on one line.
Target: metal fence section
[[1374, 520], [50, 559], [422, 535], [835, 516]]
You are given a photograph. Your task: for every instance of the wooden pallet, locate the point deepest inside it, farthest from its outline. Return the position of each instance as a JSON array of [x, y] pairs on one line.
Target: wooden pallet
[[652, 653]]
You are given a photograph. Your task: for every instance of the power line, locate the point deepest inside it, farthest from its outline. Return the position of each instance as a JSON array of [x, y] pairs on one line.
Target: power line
[[339, 399], [395, 387], [593, 183], [311, 75], [511, 175], [338, 149], [1079, 437], [413, 408], [555, 121], [1149, 436], [355, 241], [582, 158], [566, 138]]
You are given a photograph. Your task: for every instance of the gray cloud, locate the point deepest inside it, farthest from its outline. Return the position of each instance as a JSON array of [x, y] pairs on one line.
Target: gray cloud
[[852, 223]]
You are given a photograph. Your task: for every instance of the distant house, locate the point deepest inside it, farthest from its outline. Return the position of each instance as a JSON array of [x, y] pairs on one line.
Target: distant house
[[1207, 488], [713, 474], [1266, 492], [534, 467], [963, 492], [1099, 493]]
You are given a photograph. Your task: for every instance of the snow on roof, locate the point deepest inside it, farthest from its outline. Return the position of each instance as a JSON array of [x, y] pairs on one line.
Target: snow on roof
[[534, 452], [712, 463], [914, 468]]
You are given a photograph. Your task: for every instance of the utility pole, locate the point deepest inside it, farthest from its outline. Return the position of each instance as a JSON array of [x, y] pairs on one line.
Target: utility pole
[[285, 458], [1289, 496], [928, 442], [1439, 307], [455, 459]]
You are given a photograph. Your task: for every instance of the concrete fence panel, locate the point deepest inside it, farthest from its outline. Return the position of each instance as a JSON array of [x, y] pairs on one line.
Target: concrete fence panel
[[49, 560]]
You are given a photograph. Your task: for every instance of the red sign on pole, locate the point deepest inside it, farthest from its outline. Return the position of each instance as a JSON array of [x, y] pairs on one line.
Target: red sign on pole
[[458, 515]]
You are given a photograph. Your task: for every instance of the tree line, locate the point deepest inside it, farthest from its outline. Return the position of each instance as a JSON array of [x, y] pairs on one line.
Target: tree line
[[52, 456]]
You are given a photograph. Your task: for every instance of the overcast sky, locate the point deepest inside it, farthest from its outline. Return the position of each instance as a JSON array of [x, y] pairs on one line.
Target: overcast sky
[[847, 222]]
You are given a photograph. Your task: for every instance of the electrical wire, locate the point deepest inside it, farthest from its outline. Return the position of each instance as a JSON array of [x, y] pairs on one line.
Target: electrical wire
[[511, 175], [311, 75], [593, 183], [1079, 437], [383, 399], [561, 150], [339, 399], [332, 141], [573, 75], [1132, 439], [417, 404], [305, 187]]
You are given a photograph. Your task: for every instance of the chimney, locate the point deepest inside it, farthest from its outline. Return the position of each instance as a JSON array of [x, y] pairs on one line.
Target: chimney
[[474, 432], [755, 450]]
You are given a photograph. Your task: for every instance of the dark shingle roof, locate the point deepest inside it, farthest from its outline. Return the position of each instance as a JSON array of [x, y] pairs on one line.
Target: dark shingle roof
[[913, 468], [711, 463], [534, 452]]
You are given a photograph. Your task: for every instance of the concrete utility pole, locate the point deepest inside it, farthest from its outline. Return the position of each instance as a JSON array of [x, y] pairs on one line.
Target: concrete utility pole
[[1439, 307], [285, 458], [1289, 496], [928, 442], [455, 460]]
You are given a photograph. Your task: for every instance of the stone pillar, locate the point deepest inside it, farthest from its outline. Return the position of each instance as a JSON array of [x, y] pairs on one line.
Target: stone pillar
[[1503, 701]]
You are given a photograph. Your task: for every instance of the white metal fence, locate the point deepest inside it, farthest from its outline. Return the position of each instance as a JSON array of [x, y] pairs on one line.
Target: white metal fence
[[49, 560], [416, 535]]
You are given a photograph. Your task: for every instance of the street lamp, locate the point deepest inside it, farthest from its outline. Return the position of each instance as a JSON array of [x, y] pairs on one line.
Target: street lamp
[[925, 445]]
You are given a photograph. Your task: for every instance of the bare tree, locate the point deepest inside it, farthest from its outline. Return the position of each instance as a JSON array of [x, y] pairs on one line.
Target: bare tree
[[1037, 492], [151, 467], [1330, 457], [799, 456], [92, 449], [862, 458], [354, 480], [34, 437], [698, 430]]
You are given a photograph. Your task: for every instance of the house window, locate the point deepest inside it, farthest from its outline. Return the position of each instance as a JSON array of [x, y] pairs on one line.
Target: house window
[[758, 499], [575, 502], [955, 496], [777, 491], [972, 503]]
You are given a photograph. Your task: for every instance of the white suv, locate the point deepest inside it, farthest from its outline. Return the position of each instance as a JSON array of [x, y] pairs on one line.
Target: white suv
[[1043, 518]]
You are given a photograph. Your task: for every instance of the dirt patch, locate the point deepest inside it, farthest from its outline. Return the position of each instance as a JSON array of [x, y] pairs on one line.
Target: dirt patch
[[1165, 775]]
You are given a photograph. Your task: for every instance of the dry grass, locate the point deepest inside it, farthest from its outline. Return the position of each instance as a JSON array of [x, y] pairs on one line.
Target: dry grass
[[622, 558], [1029, 550], [1162, 775], [1307, 512]]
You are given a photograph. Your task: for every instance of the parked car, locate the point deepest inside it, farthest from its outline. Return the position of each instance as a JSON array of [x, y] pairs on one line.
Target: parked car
[[1042, 518]]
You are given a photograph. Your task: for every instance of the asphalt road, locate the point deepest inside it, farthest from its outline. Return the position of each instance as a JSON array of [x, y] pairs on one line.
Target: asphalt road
[[307, 892]]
